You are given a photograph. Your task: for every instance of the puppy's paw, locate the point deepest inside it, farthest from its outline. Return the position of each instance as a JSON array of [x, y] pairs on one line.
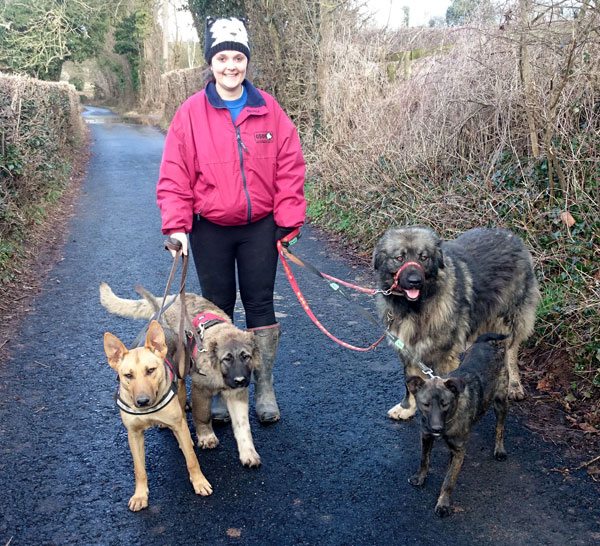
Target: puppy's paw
[[202, 486], [399, 413], [516, 391], [443, 510], [500, 455], [138, 502], [250, 457], [208, 441], [417, 480]]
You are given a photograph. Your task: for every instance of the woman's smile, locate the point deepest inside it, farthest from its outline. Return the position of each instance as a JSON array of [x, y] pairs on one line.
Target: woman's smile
[[229, 70]]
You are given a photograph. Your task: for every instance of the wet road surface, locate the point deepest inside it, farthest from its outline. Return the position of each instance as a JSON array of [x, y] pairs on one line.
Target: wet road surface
[[334, 469]]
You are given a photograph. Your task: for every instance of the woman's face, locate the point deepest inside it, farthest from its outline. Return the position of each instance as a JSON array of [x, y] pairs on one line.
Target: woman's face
[[229, 70]]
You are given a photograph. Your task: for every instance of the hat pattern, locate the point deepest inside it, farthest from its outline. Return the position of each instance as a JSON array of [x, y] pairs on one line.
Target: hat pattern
[[225, 35]]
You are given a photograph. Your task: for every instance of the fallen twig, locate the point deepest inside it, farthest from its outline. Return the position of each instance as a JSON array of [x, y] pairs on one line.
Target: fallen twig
[[583, 465]]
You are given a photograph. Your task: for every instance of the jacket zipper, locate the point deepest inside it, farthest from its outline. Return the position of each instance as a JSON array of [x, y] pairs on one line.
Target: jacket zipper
[[241, 149]]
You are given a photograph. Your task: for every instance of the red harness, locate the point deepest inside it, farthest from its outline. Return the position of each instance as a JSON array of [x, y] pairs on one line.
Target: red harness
[[202, 322]]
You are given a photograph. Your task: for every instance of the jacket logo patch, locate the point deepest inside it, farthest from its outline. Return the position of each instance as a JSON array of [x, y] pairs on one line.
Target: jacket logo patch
[[264, 137]]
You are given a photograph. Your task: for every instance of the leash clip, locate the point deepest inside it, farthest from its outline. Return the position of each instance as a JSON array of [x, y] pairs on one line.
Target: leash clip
[[191, 337], [200, 334]]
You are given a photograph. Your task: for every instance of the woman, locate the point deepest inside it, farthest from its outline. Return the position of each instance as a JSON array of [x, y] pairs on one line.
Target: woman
[[232, 177]]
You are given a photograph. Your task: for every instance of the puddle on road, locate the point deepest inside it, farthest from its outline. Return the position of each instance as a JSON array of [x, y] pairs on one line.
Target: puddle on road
[[94, 114]]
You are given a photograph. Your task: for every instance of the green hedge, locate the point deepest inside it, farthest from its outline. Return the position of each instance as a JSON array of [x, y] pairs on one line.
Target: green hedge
[[40, 128]]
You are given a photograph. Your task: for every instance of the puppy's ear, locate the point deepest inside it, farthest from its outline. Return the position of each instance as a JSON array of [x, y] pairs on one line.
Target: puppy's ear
[[211, 351], [114, 349], [455, 384], [414, 383], [155, 340]]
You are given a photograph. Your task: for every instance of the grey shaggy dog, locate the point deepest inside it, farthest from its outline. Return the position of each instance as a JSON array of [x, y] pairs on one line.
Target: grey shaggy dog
[[443, 294]]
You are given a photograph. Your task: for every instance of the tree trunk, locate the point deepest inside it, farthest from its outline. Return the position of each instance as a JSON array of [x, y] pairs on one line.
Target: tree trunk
[[526, 76]]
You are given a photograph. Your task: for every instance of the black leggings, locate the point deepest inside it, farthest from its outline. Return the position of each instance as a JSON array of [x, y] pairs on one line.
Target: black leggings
[[252, 247]]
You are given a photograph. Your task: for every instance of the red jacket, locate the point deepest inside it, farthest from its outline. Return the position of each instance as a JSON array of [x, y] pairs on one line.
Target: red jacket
[[231, 174]]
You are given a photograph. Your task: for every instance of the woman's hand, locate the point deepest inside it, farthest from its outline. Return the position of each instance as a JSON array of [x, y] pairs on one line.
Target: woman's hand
[[182, 238], [281, 232]]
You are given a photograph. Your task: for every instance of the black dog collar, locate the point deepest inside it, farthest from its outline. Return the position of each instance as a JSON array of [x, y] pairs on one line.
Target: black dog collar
[[123, 406]]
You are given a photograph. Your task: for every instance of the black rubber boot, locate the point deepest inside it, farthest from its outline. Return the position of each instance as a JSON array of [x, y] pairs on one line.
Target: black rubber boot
[[218, 410]]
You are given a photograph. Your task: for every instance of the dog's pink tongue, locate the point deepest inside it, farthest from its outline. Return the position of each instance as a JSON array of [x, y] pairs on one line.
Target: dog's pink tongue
[[412, 294]]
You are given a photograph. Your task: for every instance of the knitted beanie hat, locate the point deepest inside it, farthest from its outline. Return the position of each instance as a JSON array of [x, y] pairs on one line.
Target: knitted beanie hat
[[225, 35]]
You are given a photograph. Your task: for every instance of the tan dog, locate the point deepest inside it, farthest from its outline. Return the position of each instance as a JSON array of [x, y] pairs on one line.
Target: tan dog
[[146, 397], [224, 365]]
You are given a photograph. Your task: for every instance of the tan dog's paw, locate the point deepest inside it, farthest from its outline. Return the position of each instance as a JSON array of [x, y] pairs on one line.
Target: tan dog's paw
[[400, 413], [516, 391], [202, 487], [210, 441], [250, 457], [138, 502]]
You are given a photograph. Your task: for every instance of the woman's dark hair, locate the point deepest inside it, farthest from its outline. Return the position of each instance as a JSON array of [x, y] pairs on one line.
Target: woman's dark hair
[[209, 77]]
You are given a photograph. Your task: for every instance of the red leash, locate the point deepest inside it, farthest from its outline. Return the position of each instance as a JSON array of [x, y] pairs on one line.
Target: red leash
[[282, 249]]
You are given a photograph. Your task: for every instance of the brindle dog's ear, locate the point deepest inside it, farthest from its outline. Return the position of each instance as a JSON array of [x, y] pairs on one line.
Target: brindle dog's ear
[[455, 385], [414, 383]]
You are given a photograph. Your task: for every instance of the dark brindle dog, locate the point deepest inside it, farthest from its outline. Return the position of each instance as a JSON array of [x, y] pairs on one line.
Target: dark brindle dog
[[440, 295], [451, 405]]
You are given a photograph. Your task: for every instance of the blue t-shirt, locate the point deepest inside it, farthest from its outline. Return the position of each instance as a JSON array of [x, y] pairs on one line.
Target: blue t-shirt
[[235, 106]]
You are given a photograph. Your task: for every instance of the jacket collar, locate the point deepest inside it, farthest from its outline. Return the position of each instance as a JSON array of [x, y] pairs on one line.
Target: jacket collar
[[254, 100]]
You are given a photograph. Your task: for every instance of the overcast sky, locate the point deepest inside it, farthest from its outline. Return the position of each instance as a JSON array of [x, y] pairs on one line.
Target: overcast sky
[[420, 11], [385, 12]]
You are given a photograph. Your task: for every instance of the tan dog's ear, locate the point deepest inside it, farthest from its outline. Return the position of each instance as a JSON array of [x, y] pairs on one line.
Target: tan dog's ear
[[114, 349], [155, 340]]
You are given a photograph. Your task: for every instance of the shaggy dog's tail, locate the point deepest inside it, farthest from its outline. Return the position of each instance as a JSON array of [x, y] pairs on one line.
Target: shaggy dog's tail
[[145, 308]]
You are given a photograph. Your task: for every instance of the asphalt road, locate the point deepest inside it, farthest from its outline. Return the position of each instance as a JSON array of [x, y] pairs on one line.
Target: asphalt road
[[334, 469]]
